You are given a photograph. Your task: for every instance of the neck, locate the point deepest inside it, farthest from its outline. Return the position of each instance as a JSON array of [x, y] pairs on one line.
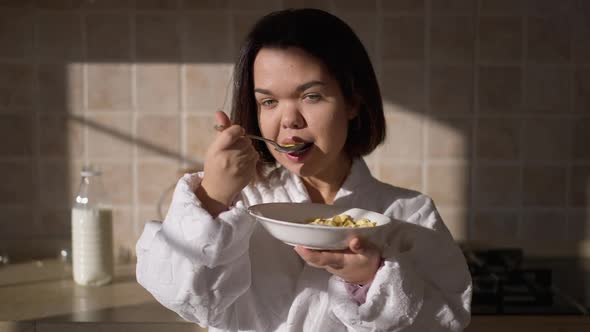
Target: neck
[[322, 188]]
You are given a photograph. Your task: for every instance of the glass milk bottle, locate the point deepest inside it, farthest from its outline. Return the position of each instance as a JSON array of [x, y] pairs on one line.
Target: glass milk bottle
[[92, 233]]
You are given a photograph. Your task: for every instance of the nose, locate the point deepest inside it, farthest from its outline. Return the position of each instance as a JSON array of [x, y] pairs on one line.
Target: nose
[[291, 118]]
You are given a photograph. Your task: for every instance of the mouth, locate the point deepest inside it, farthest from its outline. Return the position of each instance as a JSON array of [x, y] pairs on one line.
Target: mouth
[[303, 148]]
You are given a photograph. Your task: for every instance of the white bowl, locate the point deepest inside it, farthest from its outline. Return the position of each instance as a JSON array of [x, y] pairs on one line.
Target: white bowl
[[286, 222]]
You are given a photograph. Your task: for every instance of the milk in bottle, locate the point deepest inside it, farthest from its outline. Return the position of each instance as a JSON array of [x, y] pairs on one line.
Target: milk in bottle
[[92, 233]]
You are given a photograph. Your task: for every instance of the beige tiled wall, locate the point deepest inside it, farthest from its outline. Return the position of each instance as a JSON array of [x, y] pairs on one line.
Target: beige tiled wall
[[487, 104]]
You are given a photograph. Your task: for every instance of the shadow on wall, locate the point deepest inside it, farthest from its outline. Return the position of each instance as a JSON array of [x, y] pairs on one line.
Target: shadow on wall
[[486, 108]]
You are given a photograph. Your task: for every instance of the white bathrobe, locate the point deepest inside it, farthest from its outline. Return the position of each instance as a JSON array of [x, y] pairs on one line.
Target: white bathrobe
[[229, 274]]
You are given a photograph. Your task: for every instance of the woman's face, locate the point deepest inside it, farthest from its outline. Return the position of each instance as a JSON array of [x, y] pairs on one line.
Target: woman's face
[[299, 101]]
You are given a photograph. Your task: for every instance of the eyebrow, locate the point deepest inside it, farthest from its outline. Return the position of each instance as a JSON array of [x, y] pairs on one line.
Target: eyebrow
[[300, 88]]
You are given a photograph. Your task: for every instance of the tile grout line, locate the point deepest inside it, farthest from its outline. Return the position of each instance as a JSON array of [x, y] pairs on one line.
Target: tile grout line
[[521, 136], [36, 167], [134, 118], [85, 90], [449, 115], [378, 33], [471, 214], [182, 104], [234, 46], [425, 120], [84, 64], [571, 137]]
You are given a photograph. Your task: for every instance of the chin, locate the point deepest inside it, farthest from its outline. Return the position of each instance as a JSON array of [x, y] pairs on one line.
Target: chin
[[314, 164], [304, 170], [295, 168]]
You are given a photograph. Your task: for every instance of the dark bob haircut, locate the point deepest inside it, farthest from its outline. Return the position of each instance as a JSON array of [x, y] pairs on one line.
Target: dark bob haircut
[[333, 42]]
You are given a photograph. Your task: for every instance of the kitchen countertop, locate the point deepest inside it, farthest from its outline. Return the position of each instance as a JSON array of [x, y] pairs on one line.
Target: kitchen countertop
[[40, 296]]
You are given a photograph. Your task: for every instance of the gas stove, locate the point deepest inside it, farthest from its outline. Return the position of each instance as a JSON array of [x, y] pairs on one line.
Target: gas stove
[[504, 283]]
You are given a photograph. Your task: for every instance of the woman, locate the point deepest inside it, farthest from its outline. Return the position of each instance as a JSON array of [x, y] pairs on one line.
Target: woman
[[302, 77]]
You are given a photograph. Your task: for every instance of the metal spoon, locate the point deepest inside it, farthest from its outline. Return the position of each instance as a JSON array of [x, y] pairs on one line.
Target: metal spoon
[[277, 146]]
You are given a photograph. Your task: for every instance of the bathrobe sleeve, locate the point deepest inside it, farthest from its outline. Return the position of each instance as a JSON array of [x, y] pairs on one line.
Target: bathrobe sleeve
[[194, 264], [423, 285]]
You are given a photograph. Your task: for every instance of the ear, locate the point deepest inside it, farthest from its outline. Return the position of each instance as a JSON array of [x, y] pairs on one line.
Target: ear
[[353, 108]]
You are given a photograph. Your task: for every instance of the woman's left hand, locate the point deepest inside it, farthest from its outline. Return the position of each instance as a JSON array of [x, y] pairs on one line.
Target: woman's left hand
[[357, 264]]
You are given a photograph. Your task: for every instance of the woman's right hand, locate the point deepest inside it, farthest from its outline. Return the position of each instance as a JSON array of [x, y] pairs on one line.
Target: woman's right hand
[[230, 164]]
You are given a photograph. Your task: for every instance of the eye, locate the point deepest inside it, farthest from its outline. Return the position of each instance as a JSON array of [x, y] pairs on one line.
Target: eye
[[268, 103], [312, 97]]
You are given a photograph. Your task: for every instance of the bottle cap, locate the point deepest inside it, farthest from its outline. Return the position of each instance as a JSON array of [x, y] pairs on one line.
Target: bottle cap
[[90, 170], [90, 173]]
